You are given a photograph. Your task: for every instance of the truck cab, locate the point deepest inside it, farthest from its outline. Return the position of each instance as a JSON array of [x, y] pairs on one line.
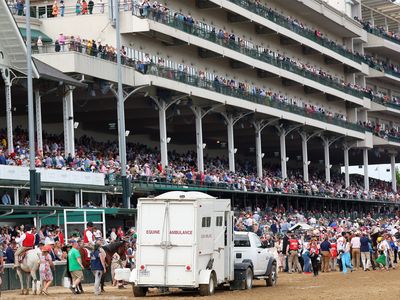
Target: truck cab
[[249, 252]]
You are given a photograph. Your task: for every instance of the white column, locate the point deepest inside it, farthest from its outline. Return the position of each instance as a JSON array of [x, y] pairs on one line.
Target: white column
[[16, 196], [77, 199], [7, 81], [231, 143], [282, 140], [327, 160], [48, 198], [68, 113], [346, 166], [259, 153], [103, 200], [366, 178], [393, 171], [199, 138], [304, 149], [162, 108], [39, 128]]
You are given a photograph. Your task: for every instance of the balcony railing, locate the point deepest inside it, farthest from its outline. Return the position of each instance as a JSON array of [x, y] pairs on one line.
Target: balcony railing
[[380, 33], [212, 85], [206, 32], [283, 21], [381, 101]]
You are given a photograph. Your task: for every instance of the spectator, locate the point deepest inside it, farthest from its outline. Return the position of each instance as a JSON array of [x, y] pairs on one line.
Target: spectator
[[46, 264], [75, 266], [98, 266], [6, 199]]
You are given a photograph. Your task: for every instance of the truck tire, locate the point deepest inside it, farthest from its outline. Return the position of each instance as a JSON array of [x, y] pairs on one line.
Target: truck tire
[[208, 289], [139, 291], [248, 285], [272, 277]]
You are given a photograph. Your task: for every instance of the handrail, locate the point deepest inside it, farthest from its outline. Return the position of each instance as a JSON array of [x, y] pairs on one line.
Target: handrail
[[256, 52], [197, 81]]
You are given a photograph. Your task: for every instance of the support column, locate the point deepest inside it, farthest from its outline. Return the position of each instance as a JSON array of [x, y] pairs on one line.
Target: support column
[[16, 196], [48, 198], [259, 153], [199, 138], [231, 143], [103, 200], [39, 128], [304, 149], [327, 160], [7, 80], [162, 108], [366, 178], [282, 140], [346, 166], [68, 112], [393, 171]]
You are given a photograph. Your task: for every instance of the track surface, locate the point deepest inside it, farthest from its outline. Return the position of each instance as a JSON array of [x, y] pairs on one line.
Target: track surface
[[334, 285]]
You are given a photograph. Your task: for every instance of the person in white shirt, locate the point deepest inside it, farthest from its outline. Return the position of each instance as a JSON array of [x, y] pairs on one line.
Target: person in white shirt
[[113, 235], [355, 250]]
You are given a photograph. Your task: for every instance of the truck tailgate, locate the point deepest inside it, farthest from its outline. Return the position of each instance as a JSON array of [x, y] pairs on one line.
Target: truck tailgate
[[166, 244]]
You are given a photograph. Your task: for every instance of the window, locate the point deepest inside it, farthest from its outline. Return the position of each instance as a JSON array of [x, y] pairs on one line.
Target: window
[[206, 222], [219, 221], [241, 241]]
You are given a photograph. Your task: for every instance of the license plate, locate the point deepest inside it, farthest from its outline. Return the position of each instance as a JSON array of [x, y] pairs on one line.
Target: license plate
[[144, 273]]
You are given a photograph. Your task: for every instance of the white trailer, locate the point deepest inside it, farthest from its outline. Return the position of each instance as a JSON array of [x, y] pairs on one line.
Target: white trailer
[[185, 240]]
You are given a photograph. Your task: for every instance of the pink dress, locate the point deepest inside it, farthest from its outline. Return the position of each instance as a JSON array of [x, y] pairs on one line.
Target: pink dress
[[44, 269]]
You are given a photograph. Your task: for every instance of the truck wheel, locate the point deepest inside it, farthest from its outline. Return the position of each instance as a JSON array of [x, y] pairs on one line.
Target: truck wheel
[[272, 277], [139, 291], [249, 279], [208, 289]]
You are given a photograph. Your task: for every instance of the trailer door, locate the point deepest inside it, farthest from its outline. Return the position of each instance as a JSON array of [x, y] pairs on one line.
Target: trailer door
[[166, 242]]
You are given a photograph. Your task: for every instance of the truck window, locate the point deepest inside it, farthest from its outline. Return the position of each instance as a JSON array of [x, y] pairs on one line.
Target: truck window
[[241, 241], [206, 222], [219, 221], [257, 242]]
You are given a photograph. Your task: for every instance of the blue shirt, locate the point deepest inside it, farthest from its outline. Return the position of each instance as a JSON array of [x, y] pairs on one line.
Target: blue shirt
[[364, 241], [9, 256], [95, 262], [325, 246]]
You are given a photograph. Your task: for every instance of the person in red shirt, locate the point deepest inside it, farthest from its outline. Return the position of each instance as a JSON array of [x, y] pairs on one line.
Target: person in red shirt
[[26, 242], [334, 254], [293, 252]]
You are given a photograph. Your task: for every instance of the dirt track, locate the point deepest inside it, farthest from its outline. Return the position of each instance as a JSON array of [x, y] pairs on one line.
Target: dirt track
[[357, 285]]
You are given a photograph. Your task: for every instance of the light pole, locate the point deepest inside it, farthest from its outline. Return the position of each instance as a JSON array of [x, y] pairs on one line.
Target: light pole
[[121, 113], [31, 121]]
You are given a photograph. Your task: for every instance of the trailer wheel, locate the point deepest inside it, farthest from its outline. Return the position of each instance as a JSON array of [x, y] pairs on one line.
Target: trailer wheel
[[208, 289], [249, 279], [272, 277], [139, 291]]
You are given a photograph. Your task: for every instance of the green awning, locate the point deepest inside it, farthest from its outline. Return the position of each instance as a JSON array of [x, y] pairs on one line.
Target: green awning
[[35, 35]]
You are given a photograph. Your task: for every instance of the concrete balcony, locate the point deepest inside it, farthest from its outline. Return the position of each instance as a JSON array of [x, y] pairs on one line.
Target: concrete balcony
[[73, 62], [170, 29], [281, 26], [382, 46]]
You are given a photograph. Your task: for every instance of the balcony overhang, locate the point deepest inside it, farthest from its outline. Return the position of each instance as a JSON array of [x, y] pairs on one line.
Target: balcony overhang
[[12, 46]]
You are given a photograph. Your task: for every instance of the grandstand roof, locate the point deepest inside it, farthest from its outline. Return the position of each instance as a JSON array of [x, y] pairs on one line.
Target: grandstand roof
[[384, 12], [12, 46], [50, 73]]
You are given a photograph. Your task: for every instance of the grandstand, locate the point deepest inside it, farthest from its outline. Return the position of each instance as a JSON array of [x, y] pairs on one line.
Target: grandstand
[[260, 102]]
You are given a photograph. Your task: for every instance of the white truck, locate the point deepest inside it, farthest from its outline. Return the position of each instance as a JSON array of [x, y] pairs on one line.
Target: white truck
[[186, 240]]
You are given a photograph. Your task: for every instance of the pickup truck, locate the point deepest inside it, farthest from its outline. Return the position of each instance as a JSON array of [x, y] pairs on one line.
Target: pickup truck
[[252, 261]]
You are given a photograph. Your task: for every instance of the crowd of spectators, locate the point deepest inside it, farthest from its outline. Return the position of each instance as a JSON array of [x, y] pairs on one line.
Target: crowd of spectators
[[378, 129], [379, 30], [144, 165], [313, 241], [149, 64]]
